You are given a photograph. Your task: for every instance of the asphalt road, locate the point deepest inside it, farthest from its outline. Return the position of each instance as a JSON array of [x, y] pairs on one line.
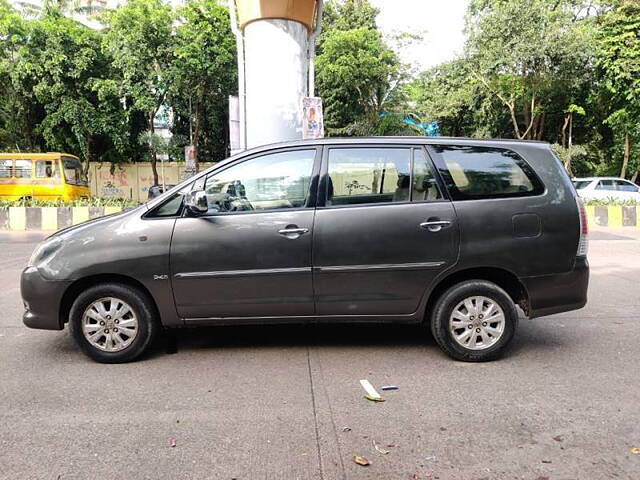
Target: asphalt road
[[272, 402]]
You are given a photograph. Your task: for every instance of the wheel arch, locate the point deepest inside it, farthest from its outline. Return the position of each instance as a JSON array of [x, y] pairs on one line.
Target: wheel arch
[[81, 284], [505, 279]]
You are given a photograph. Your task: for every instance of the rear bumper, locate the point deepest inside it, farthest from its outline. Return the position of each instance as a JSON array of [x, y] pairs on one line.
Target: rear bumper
[[42, 300], [551, 294]]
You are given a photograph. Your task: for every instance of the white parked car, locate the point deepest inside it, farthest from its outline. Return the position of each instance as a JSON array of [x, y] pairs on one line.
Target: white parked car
[[605, 188]]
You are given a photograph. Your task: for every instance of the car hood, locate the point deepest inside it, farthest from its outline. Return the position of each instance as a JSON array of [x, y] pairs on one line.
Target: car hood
[[90, 224]]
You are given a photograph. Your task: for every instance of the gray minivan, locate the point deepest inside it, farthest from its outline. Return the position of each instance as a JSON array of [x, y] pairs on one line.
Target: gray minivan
[[452, 233]]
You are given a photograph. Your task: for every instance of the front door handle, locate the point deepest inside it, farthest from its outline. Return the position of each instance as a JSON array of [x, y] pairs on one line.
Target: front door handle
[[292, 231], [435, 225]]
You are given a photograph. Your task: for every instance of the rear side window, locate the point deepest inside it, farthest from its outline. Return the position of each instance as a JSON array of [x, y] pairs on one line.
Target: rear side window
[[472, 172], [580, 184], [623, 186]]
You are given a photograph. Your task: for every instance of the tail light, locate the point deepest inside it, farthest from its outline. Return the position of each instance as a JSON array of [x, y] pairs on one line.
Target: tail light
[[583, 244]]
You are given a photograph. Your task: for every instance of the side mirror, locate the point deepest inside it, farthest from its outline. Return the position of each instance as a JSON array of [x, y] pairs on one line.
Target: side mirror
[[196, 201]]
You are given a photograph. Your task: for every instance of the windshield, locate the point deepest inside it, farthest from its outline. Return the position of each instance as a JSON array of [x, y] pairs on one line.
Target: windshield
[[580, 184], [73, 173]]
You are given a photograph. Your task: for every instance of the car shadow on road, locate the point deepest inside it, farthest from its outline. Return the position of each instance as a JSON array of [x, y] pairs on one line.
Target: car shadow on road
[[531, 336], [292, 335]]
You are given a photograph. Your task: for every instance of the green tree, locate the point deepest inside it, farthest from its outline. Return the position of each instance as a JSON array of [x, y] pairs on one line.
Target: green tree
[[526, 52], [204, 73], [445, 93], [356, 77], [19, 114], [139, 39], [619, 68], [59, 70]]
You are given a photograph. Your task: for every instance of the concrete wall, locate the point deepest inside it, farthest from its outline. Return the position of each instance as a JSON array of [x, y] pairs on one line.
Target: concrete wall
[[132, 180]]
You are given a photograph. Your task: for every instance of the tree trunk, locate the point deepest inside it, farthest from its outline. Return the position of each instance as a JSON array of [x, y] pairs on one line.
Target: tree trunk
[[514, 121], [85, 167], [627, 150], [526, 114], [154, 157], [541, 126], [197, 126], [570, 130], [564, 131], [635, 176]]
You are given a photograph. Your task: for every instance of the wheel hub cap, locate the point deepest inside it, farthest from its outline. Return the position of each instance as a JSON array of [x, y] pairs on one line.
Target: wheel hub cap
[[109, 324], [477, 323]]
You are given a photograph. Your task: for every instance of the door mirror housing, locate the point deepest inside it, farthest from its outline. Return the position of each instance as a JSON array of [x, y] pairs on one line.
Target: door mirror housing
[[196, 201]]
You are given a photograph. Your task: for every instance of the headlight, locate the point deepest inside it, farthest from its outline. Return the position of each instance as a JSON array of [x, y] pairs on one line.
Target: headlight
[[44, 250]]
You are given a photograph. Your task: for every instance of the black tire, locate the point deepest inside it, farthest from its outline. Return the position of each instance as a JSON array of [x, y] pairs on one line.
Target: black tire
[[451, 298], [141, 305]]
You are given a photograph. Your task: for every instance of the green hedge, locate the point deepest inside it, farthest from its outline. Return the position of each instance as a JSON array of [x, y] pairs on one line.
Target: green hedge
[[83, 202], [612, 203]]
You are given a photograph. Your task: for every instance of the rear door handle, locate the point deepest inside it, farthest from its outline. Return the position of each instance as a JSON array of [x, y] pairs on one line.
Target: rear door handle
[[435, 225]]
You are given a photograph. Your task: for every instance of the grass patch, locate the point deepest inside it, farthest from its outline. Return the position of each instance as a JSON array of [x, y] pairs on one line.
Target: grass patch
[[612, 203]]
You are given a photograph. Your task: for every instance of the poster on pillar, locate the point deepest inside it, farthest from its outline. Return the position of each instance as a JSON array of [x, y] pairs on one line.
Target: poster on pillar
[[312, 118]]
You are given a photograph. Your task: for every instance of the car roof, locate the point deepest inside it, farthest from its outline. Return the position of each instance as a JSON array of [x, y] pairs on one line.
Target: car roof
[[399, 140], [590, 179]]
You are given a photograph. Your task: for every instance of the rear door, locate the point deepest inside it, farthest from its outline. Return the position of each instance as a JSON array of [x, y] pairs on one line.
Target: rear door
[[383, 231]]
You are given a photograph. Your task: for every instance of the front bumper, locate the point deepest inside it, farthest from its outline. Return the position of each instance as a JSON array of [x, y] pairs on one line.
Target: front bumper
[[551, 294], [42, 300]]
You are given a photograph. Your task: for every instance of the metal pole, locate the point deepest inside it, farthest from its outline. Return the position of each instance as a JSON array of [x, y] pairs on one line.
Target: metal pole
[[242, 97]]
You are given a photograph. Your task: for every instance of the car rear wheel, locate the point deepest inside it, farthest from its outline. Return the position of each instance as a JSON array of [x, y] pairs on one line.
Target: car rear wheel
[[113, 323], [474, 321]]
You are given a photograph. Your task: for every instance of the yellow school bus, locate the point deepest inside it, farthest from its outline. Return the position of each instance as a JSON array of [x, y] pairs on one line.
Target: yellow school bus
[[43, 176]]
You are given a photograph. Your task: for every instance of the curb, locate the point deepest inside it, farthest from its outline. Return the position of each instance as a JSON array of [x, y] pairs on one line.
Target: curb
[[613, 216], [49, 218]]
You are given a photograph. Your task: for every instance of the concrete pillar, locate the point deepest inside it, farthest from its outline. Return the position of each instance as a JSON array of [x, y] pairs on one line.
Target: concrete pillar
[[276, 80], [274, 38]]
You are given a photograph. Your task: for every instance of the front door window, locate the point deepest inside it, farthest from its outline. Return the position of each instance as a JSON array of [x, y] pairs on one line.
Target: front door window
[[270, 182]]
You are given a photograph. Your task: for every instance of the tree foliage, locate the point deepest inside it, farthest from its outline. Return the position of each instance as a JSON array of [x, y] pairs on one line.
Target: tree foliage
[[203, 75], [358, 76]]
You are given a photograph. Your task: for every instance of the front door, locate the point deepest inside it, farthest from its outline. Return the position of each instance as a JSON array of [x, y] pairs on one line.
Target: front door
[[384, 232], [250, 254]]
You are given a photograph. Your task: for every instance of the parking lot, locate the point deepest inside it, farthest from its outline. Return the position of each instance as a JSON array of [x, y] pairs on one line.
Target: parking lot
[[285, 402]]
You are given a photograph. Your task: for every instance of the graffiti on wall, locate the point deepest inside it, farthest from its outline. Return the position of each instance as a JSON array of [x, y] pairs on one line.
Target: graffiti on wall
[[132, 180]]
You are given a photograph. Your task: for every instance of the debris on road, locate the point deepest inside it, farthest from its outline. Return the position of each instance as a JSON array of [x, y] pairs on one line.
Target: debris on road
[[546, 461], [391, 445], [389, 387], [361, 461], [372, 394], [432, 458], [635, 451], [558, 438], [172, 442], [379, 449], [346, 429], [374, 399]]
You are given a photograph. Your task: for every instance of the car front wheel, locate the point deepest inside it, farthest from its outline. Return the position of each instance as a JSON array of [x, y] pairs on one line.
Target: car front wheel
[[113, 323], [474, 321]]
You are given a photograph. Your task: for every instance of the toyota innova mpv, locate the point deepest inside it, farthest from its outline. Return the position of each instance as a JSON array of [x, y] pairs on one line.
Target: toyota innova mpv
[[456, 234]]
